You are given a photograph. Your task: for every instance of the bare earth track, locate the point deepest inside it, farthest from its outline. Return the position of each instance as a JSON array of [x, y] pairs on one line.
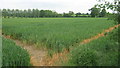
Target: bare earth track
[[39, 56], [36, 55]]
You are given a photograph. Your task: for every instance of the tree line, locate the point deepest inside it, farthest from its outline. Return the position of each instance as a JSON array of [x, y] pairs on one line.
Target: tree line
[[98, 12], [36, 13], [111, 5]]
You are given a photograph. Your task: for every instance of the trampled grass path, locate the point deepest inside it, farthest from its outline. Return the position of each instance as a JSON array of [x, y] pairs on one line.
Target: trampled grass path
[[38, 57]]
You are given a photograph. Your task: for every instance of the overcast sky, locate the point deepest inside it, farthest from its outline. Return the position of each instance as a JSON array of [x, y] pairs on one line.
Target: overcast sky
[[58, 5]]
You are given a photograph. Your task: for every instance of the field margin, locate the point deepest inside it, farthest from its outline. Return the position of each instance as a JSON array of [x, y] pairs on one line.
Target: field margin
[[0, 39]]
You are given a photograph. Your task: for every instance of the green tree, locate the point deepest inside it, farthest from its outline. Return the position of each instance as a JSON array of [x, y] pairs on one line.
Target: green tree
[[21, 13], [114, 6], [95, 12], [118, 9], [33, 13], [25, 13], [36, 13], [78, 14], [71, 13], [42, 13], [17, 13], [103, 13], [0, 13], [13, 13], [4, 13], [66, 15], [9, 13], [29, 13]]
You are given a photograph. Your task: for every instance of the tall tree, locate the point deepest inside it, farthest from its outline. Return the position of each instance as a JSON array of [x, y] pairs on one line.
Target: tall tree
[[42, 13], [103, 13], [4, 13], [37, 13], [17, 13], [29, 13], [78, 14], [25, 13], [114, 5], [9, 13], [95, 12], [13, 13], [66, 15], [0, 13], [71, 13]]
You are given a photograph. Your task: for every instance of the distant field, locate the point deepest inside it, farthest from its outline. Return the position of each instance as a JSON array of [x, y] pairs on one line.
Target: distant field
[[54, 33]]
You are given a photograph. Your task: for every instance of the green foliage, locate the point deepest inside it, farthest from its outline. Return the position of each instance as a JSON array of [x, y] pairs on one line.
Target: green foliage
[[54, 33], [83, 56], [70, 14], [95, 12], [112, 5], [103, 13], [118, 18], [0, 51], [4, 13], [100, 52], [36, 13], [82, 15], [13, 55]]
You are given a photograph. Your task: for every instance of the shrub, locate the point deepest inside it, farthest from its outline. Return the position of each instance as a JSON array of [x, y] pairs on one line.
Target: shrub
[[83, 56]]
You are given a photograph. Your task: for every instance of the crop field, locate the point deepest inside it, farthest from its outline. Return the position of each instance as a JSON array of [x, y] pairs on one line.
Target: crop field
[[57, 34], [40, 33], [54, 33], [14, 55], [100, 52]]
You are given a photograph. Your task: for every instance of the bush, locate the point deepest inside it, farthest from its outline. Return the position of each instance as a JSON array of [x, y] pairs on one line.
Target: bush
[[83, 56]]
